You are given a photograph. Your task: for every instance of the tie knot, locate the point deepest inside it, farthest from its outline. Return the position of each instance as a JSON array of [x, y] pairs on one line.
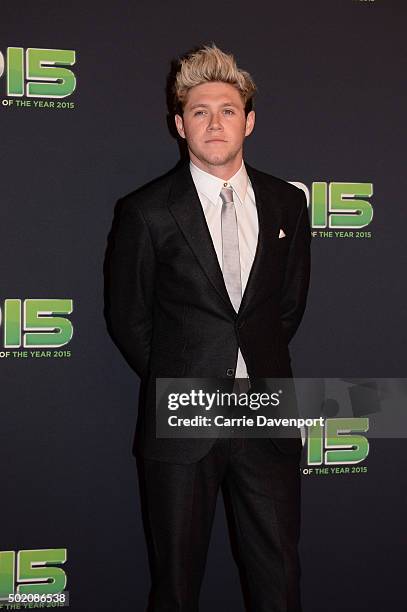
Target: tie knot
[[226, 195]]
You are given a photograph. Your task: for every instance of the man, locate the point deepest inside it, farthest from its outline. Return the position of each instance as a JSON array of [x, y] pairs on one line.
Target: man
[[207, 276]]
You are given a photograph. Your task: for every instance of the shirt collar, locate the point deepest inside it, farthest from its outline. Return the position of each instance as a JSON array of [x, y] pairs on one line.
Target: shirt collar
[[211, 185]]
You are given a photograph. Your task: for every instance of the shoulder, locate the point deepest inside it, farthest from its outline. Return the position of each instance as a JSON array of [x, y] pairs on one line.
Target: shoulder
[[274, 183], [288, 195], [151, 195]]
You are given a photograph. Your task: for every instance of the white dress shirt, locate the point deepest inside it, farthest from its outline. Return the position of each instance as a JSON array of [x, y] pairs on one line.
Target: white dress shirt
[[209, 188]]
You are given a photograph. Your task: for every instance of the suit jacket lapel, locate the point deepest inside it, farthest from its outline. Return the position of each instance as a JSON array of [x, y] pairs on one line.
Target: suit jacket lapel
[[186, 209], [269, 219]]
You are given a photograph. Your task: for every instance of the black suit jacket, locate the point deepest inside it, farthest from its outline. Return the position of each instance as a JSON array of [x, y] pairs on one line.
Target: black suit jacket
[[167, 306]]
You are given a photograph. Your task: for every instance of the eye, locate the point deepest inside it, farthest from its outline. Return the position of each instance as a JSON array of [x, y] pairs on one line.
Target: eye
[[229, 111], [199, 112]]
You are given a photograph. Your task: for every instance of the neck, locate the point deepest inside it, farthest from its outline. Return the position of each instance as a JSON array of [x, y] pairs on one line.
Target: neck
[[224, 172]]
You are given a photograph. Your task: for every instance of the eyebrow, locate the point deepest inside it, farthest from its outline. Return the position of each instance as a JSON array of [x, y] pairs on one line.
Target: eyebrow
[[207, 105]]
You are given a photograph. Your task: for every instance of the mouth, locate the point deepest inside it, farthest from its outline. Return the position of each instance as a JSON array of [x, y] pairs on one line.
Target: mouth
[[215, 140]]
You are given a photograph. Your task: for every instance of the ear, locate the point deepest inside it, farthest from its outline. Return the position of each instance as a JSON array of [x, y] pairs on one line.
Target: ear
[[179, 123], [250, 120]]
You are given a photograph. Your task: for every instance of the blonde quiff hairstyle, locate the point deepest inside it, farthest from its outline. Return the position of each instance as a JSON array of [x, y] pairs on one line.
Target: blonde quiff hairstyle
[[209, 63]]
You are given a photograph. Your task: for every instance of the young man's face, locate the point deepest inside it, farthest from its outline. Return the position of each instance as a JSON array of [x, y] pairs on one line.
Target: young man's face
[[214, 125]]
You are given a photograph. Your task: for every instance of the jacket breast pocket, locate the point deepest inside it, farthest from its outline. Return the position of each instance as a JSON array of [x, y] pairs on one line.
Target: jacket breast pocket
[[280, 246]]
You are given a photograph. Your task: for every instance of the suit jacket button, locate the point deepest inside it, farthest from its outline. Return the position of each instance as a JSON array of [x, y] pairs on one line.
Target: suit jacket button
[[230, 372]]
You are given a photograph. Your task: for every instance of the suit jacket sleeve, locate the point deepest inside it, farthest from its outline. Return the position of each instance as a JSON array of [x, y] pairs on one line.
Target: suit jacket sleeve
[[296, 281], [130, 274]]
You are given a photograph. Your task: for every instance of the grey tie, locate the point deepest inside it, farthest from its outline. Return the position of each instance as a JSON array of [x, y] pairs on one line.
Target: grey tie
[[230, 248], [231, 263]]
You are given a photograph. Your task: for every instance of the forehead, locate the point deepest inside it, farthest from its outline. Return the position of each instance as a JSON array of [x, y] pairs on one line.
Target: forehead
[[215, 93]]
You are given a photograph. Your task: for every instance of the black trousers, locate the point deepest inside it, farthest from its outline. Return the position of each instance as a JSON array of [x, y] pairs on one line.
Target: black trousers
[[261, 491]]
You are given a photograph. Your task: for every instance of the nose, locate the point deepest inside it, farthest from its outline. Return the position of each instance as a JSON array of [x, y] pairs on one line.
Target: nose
[[214, 122]]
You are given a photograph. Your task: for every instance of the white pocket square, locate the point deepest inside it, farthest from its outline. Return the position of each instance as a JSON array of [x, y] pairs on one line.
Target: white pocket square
[[281, 234]]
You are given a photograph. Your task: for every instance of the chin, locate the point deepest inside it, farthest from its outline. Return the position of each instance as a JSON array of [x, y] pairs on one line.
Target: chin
[[218, 160]]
